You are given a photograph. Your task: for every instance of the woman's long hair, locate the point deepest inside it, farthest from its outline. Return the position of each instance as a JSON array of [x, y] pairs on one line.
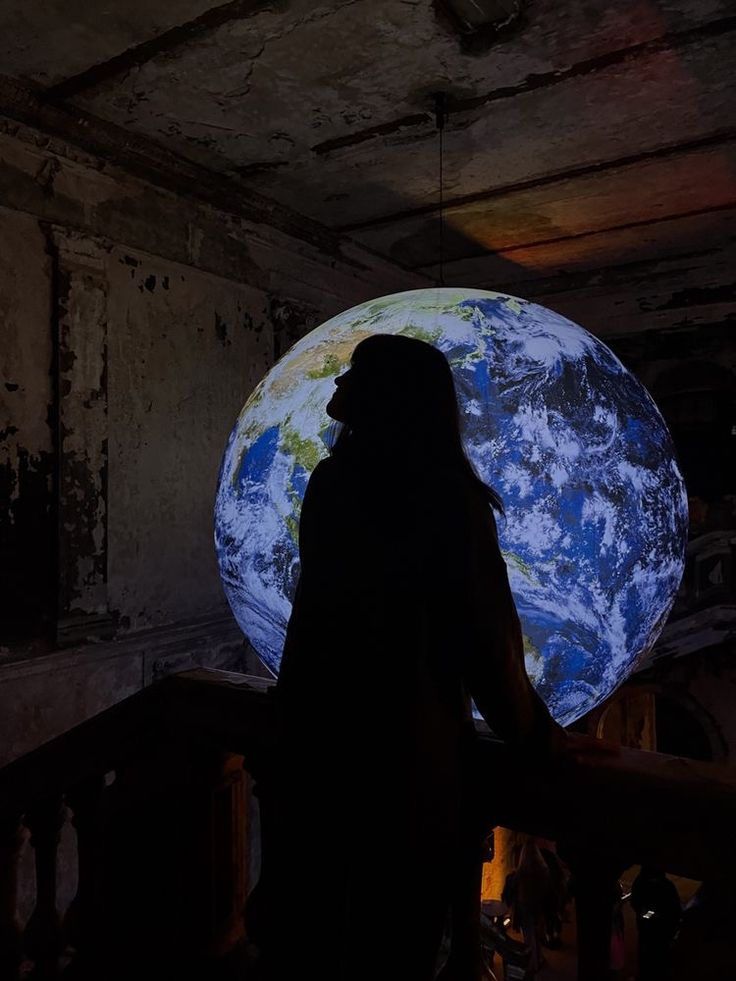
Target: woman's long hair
[[403, 398]]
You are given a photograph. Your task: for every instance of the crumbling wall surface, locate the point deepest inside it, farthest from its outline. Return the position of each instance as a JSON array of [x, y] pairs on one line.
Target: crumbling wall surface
[[26, 438], [185, 348], [135, 319]]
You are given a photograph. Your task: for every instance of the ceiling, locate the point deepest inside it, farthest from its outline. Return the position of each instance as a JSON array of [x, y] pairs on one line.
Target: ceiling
[[586, 135]]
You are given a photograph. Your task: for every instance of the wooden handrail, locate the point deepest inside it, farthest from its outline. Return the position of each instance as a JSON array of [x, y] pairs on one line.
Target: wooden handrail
[[638, 805], [647, 805], [606, 812], [172, 789], [126, 730], [93, 747]]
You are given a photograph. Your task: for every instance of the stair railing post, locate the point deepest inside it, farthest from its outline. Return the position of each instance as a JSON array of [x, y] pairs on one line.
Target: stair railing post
[[11, 944], [43, 937], [83, 920]]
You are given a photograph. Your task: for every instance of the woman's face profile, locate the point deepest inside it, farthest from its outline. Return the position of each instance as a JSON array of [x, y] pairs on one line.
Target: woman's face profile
[[376, 389], [338, 407]]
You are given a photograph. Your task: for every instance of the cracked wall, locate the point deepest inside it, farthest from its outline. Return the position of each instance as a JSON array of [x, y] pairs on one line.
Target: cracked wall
[[185, 349], [26, 437], [135, 322]]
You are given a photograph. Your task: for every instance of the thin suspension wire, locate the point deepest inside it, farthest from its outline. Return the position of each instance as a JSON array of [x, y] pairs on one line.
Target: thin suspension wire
[[442, 216], [440, 115]]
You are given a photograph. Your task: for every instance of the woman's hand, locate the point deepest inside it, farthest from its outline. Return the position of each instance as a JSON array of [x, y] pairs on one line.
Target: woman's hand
[[588, 748], [562, 747]]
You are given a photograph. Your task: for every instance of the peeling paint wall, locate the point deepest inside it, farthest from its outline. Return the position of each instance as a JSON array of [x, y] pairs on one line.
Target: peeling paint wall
[[79, 330], [134, 322], [185, 350], [26, 439]]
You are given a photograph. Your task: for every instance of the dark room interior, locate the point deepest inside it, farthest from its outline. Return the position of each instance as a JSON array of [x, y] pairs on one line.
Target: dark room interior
[[187, 190]]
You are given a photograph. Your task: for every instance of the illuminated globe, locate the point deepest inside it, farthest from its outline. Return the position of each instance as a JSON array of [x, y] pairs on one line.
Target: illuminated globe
[[596, 512]]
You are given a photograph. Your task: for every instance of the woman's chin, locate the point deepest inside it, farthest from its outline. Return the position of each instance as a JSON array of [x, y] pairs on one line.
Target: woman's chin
[[333, 411]]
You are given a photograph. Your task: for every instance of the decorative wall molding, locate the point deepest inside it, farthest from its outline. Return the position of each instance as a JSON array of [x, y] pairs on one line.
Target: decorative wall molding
[[79, 324]]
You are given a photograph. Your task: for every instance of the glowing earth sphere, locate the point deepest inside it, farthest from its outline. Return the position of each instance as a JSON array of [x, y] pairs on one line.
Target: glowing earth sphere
[[596, 511]]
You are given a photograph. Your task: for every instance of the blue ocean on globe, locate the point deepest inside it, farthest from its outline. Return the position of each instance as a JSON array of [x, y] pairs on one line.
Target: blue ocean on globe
[[596, 511]]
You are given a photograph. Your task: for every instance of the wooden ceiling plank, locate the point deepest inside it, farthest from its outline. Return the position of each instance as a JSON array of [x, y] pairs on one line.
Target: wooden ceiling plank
[[663, 294], [654, 109], [721, 137], [163, 43], [669, 41], [628, 250], [658, 191]]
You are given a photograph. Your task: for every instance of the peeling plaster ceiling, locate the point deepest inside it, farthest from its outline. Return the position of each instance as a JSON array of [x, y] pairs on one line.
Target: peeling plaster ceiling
[[589, 135]]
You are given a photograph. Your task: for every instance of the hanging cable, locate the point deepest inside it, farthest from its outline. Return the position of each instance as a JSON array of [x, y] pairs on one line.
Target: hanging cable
[[440, 114]]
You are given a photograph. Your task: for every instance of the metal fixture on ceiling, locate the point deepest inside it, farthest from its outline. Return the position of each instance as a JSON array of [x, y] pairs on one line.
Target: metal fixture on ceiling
[[475, 16]]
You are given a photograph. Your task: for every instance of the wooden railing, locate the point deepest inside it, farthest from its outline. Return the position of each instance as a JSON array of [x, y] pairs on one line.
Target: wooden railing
[[156, 792]]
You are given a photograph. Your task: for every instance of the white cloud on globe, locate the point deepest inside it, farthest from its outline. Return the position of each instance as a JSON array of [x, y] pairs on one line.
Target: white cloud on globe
[[596, 512]]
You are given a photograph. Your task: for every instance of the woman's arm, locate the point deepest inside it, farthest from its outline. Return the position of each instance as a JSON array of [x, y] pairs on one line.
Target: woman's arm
[[316, 586], [494, 656]]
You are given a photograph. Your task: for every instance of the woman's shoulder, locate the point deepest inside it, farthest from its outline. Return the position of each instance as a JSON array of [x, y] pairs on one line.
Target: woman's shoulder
[[328, 473], [325, 469], [330, 486]]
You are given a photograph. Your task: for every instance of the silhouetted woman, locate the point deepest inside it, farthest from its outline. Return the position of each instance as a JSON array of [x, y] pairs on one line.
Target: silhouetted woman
[[403, 612]]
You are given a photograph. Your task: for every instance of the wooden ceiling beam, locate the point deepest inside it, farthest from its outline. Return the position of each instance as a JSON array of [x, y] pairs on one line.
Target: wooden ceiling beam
[[711, 140], [146, 158], [670, 40], [170, 40]]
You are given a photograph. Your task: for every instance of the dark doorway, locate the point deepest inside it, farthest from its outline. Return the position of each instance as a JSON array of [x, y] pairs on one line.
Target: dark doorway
[[678, 732]]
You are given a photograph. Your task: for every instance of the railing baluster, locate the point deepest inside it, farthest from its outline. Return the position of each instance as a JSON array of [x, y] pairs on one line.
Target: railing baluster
[[42, 938], [82, 920], [11, 842], [595, 876], [227, 825]]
